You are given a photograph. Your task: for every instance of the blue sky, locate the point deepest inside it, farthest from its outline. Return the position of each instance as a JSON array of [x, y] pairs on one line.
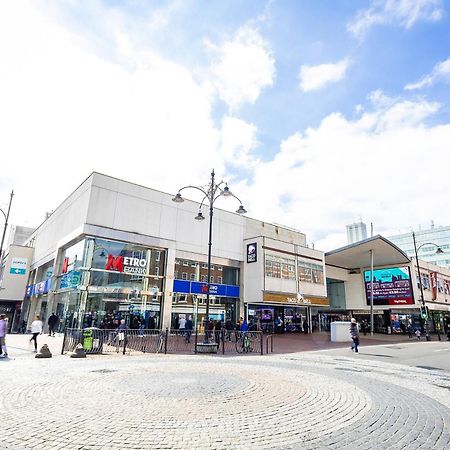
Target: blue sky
[[335, 109]]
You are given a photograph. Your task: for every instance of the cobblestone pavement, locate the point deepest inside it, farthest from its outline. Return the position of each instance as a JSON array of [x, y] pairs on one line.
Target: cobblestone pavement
[[308, 401]]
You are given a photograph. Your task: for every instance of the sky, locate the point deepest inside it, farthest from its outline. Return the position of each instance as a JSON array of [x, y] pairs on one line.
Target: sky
[[317, 114]]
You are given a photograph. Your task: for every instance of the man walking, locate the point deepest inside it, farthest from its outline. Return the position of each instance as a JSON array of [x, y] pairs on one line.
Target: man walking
[[354, 334], [3, 327], [52, 321]]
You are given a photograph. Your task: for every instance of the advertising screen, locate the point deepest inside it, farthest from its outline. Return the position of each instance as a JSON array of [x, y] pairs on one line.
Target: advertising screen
[[391, 286]]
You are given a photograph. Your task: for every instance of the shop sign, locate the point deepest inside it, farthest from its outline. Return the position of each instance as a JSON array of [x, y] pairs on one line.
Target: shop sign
[[70, 280], [251, 252], [18, 266], [195, 287], [126, 264], [433, 280], [297, 299]]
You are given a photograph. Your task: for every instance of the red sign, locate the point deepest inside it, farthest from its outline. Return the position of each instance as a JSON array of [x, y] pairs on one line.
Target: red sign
[[65, 265], [205, 288], [114, 263]]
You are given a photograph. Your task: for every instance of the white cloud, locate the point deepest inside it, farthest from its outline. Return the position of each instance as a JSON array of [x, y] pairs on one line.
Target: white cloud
[[244, 67], [316, 77], [65, 111], [385, 166], [403, 13], [440, 72]]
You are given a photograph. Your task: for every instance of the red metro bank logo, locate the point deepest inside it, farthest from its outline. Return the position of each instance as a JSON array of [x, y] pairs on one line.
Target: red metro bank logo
[[125, 264]]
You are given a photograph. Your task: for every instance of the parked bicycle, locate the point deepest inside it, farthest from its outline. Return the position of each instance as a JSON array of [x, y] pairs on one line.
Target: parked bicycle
[[244, 343]]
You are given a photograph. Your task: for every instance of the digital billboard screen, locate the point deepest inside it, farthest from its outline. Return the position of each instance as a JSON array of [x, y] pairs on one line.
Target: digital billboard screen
[[391, 286]]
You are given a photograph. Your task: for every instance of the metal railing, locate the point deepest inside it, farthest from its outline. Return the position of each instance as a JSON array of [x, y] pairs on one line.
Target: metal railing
[[94, 340]]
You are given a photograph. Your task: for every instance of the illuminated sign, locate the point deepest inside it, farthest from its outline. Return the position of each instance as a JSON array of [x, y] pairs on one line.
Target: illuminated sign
[[126, 264], [252, 252], [391, 286]]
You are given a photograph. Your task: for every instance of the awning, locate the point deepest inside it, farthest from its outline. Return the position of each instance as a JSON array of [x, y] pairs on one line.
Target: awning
[[357, 255]]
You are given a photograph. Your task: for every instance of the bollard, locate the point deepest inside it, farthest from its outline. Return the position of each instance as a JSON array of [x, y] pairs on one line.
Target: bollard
[[79, 352], [44, 352]]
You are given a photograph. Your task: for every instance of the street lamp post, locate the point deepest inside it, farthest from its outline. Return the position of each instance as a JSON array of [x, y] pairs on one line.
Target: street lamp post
[[422, 298], [6, 215], [211, 192]]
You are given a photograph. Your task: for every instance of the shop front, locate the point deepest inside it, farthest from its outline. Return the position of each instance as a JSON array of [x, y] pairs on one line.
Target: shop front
[[102, 282], [286, 313]]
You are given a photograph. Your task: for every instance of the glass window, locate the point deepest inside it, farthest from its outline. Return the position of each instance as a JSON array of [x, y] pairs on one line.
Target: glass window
[[219, 268], [204, 278], [185, 263], [219, 280], [184, 276], [192, 276]]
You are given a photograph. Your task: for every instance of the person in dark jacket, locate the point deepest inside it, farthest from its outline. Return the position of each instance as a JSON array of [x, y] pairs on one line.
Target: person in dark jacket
[[354, 334], [305, 327], [52, 321], [188, 327]]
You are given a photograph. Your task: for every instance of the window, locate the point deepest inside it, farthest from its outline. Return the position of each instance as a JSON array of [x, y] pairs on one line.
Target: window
[[211, 280], [219, 280], [157, 271], [185, 263], [219, 268], [192, 276], [204, 278], [176, 275], [193, 264], [204, 265], [184, 276], [157, 255], [212, 266]]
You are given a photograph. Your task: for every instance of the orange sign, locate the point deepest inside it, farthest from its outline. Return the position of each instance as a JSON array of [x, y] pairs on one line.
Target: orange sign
[[293, 299]]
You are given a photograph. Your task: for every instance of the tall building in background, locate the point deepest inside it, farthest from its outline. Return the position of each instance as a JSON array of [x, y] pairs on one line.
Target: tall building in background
[[18, 235], [435, 235], [356, 232]]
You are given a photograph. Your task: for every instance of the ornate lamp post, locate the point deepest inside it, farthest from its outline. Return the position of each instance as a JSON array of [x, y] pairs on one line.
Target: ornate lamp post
[[424, 309], [6, 215], [211, 192]]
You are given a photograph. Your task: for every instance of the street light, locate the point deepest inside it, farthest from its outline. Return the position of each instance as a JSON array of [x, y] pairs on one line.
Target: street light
[[422, 298], [6, 215], [211, 193]]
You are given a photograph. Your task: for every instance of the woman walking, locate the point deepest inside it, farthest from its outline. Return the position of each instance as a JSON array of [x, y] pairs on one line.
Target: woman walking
[[36, 328]]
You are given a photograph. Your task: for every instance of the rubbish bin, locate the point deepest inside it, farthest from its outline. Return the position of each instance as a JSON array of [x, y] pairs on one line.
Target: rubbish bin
[[93, 340]]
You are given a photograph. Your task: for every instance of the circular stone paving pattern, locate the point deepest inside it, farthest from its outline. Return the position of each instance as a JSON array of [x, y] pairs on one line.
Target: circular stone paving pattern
[[192, 403]]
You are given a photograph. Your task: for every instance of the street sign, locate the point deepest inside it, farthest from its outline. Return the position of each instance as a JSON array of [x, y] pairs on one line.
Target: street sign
[[18, 266]]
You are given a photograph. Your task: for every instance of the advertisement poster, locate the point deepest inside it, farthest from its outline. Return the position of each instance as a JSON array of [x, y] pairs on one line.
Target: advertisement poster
[[391, 286]]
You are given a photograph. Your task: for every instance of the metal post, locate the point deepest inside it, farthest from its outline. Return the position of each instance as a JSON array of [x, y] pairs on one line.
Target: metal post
[[196, 339], [422, 298], [222, 336], [261, 343], [5, 226], [166, 338], [371, 293], [208, 281]]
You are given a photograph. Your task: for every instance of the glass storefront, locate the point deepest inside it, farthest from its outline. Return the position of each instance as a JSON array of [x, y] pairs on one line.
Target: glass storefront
[[101, 282], [278, 319]]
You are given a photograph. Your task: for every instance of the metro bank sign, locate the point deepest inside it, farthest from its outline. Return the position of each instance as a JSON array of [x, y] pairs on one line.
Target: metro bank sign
[[126, 264]]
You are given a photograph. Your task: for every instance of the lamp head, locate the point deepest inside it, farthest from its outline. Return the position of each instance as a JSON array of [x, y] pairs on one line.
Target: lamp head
[[199, 216], [241, 210], [226, 191], [178, 198], [439, 251]]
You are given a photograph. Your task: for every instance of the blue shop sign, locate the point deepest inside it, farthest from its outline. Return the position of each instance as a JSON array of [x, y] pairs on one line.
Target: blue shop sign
[[195, 287]]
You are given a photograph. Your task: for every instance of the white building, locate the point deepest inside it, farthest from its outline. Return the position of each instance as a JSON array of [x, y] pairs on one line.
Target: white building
[[114, 249], [356, 232], [440, 236]]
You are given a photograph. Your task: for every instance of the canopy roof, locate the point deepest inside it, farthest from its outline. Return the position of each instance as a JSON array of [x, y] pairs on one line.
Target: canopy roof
[[355, 256]]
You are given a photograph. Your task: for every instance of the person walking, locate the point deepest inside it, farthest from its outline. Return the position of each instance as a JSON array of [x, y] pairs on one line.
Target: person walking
[[354, 334], [36, 329], [305, 326], [188, 326], [3, 328], [182, 325], [52, 321]]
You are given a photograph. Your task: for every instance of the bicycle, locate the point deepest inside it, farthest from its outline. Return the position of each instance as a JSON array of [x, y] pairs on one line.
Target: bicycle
[[244, 344]]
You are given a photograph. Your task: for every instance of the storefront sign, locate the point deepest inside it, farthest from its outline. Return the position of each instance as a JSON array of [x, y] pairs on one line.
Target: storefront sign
[[252, 254], [391, 286], [194, 287], [18, 266], [39, 288], [126, 264], [433, 281], [294, 299]]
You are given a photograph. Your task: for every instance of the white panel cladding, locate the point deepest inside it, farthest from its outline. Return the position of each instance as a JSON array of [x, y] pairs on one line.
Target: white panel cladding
[[355, 296], [64, 220]]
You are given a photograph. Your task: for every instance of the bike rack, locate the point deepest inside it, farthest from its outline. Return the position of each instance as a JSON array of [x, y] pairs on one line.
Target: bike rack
[[269, 338]]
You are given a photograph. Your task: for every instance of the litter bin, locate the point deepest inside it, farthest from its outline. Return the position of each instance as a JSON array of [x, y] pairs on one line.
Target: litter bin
[[93, 340]]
